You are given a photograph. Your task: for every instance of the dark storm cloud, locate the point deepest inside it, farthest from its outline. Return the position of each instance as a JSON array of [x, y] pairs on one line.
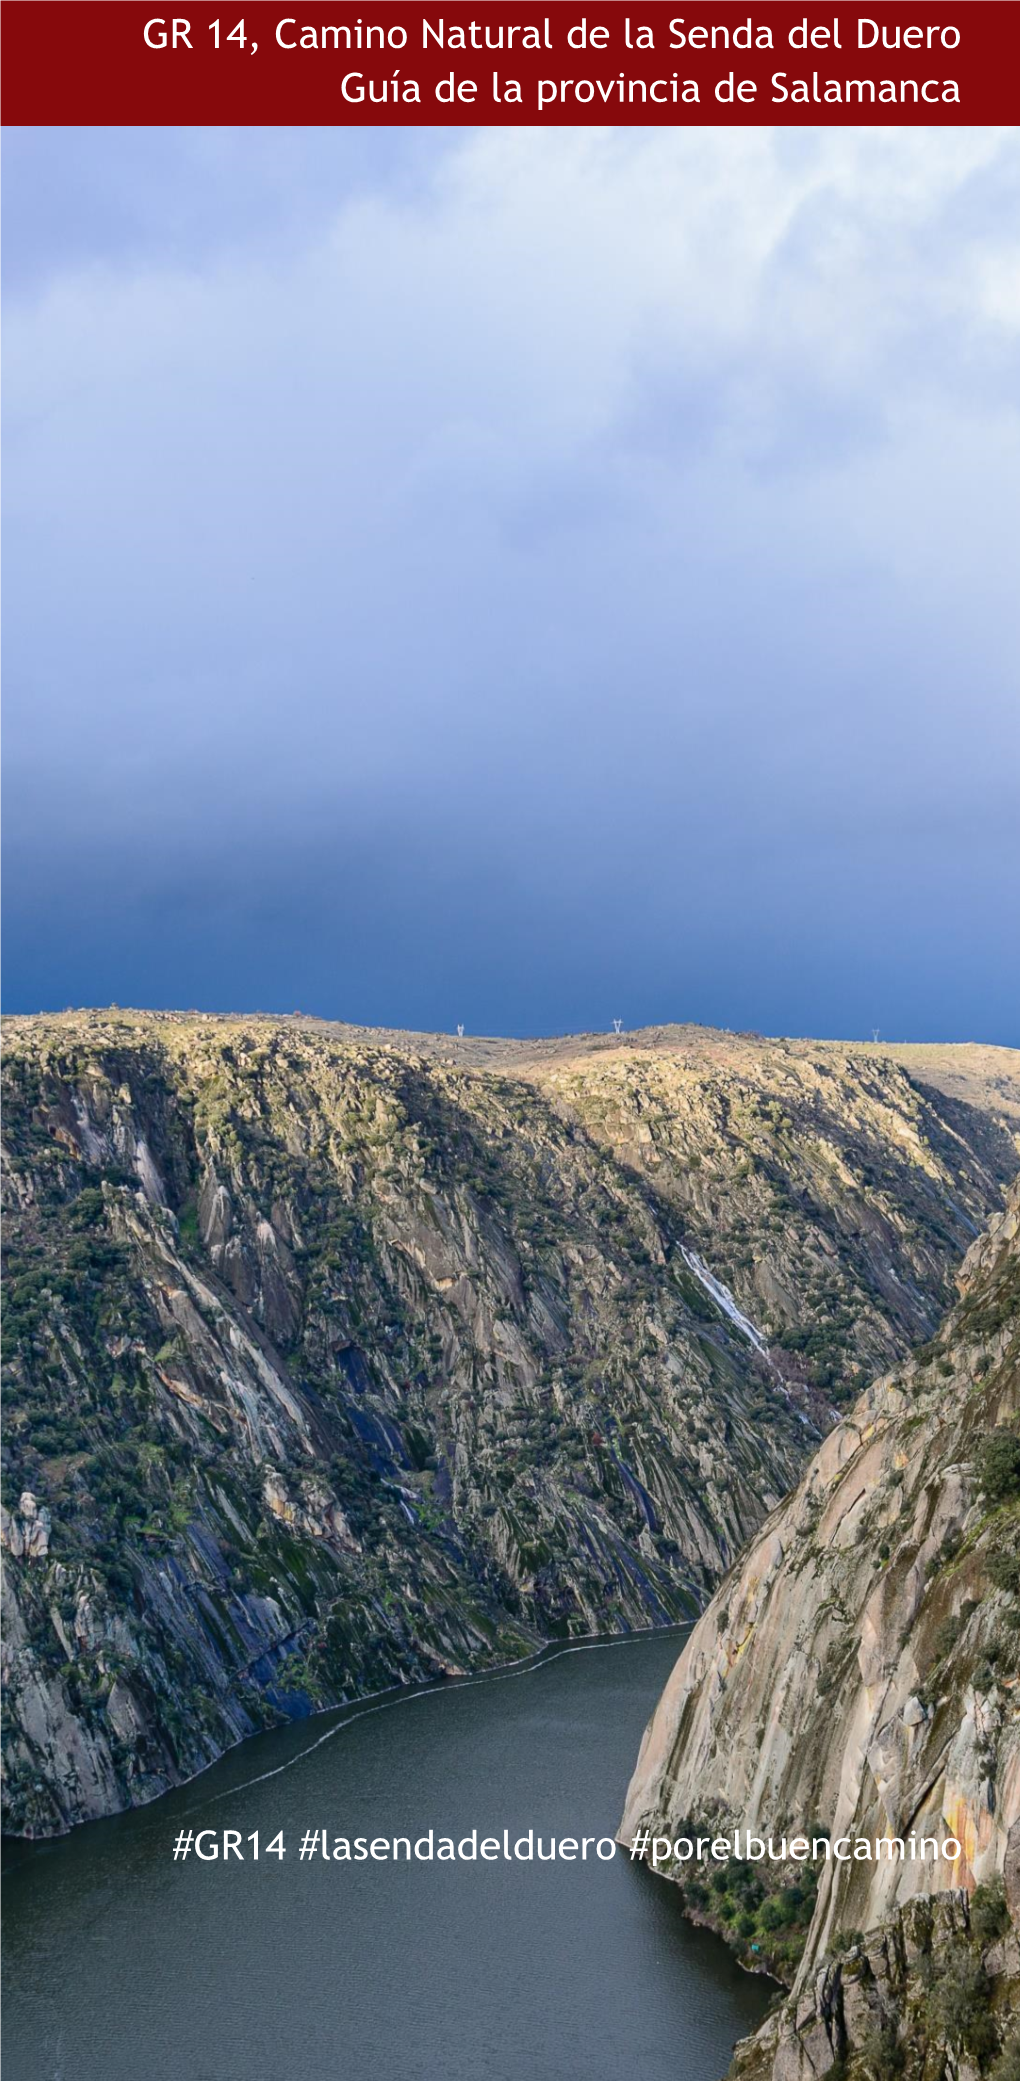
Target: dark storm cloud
[[515, 578]]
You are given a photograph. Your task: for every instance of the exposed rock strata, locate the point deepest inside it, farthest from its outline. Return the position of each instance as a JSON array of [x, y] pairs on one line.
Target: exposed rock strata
[[331, 1364], [858, 1671], [930, 1996]]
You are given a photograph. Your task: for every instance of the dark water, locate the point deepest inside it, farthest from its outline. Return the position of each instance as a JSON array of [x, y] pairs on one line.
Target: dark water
[[126, 1966]]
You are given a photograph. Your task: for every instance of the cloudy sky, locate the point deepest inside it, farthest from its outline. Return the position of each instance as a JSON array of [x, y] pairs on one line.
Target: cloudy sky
[[515, 578]]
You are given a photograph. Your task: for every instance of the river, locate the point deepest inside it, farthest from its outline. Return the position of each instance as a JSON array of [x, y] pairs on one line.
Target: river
[[124, 1965]]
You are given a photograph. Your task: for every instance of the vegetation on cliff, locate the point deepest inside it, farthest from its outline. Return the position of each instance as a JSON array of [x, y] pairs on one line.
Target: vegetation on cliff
[[333, 1362], [860, 1669]]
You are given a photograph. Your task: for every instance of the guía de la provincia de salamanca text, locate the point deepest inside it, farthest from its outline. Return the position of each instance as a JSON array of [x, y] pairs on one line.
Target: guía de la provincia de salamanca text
[[395, 84]]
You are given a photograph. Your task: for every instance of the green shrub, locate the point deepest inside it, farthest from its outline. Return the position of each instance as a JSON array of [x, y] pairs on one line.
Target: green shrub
[[989, 1915], [883, 2052], [945, 1637], [1002, 1566], [957, 2006], [997, 1462], [1007, 2066]]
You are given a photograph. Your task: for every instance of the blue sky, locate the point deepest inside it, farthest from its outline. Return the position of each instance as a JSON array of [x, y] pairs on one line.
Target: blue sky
[[519, 578]]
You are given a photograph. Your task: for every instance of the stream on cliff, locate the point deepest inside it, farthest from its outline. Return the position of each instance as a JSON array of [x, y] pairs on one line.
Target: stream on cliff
[[122, 1963]]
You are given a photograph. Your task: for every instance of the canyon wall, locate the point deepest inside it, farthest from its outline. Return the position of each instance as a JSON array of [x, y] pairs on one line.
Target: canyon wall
[[335, 1361], [857, 1674]]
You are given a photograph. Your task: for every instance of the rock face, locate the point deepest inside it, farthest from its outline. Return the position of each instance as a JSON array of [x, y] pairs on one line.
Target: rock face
[[332, 1364], [806, 1177], [857, 1673], [935, 1991]]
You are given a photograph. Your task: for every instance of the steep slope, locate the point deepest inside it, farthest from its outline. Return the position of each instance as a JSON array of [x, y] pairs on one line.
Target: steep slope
[[817, 1181], [857, 1673], [984, 1077], [330, 1364], [825, 1182]]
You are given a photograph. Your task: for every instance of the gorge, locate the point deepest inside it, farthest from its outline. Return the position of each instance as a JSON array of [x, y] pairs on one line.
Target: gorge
[[857, 1675], [337, 1359]]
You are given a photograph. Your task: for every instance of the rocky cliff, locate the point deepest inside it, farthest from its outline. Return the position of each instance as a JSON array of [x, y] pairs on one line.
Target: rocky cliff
[[335, 1361], [932, 1995], [857, 1675], [813, 1179]]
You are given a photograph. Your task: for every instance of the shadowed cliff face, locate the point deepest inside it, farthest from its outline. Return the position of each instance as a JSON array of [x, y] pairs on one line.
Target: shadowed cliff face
[[332, 1364], [816, 1181], [858, 1671]]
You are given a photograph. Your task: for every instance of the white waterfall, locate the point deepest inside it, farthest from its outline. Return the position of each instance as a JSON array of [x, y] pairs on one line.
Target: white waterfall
[[724, 1299]]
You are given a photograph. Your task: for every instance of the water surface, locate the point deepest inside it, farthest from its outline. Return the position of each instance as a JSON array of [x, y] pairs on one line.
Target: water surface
[[122, 1965]]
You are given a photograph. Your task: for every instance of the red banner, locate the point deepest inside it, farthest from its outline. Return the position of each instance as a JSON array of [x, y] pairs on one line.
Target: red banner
[[117, 61]]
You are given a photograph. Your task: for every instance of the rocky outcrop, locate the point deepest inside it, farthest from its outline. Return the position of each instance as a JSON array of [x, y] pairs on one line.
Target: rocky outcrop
[[814, 1181], [857, 1672], [935, 1991], [331, 1364], [26, 1532]]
